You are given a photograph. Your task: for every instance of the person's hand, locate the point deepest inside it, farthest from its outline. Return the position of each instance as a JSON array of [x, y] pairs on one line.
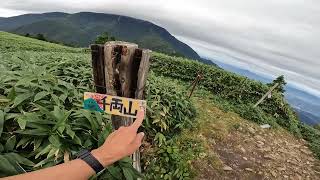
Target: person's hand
[[121, 143]]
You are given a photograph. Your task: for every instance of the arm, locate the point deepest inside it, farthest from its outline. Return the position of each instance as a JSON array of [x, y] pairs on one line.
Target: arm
[[119, 144]]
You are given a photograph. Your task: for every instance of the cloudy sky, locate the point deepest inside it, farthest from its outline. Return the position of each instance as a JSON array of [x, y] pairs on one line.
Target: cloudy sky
[[269, 37]]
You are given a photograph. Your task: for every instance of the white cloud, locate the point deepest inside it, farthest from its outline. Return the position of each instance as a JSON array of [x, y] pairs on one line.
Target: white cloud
[[267, 36], [8, 12]]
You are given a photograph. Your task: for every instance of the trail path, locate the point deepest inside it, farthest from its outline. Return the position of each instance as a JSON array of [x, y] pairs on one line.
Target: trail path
[[243, 150]]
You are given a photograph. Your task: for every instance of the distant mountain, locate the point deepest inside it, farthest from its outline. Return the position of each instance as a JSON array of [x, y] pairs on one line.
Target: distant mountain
[[207, 61], [10, 23], [307, 117], [81, 29], [305, 104], [303, 101]]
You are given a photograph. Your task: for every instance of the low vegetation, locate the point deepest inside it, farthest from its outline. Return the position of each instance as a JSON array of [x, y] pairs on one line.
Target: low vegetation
[[42, 122], [41, 91]]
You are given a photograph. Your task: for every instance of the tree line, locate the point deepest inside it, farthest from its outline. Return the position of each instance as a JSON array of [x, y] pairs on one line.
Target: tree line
[[101, 39]]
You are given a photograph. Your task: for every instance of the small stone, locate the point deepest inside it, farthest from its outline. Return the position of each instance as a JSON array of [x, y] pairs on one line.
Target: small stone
[[243, 150], [311, 159], [245, 158], [260, 142], [268, 157], [259, 138], [281, 168], [265, 126], [305, 151], [285, 176], [266, 149], [251, 130], [283, 151], [298, 177], [227, 168], [274, 174], [259, 145], [260, 172], [249, 169]]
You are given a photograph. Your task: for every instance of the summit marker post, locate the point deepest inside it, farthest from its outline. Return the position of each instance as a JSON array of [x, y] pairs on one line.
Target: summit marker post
[[121, 69]]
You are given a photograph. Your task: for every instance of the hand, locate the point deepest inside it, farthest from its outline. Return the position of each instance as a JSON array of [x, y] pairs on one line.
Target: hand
[[121, 143]]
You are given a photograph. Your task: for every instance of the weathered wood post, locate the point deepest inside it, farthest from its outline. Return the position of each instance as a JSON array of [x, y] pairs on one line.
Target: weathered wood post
[[120, 69], [195, 82], [266, 95]]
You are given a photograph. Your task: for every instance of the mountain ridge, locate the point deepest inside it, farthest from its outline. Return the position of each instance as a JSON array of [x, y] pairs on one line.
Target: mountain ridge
[[82, 28]]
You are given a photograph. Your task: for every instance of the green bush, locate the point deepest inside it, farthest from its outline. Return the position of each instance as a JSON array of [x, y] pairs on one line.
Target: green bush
[[171, 159], [169, 112], [166, 162], [169, 109], [311, 135], [42, 122]]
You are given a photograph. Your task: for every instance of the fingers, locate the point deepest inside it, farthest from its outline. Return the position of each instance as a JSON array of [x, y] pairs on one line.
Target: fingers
[[137, 123], [136, 143]]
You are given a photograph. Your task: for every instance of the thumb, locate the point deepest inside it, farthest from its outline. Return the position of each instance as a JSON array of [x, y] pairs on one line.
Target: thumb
[[136, 143]]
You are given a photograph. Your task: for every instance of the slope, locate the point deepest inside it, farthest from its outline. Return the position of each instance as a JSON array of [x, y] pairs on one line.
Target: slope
[[82, 28], [239, 149], [12, 43], [222, 123]]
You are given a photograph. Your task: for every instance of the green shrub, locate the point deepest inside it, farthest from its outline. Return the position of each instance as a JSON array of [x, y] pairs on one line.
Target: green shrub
[[172, 159], [311, 135], [41, 121], [166, 162], [169, 109]]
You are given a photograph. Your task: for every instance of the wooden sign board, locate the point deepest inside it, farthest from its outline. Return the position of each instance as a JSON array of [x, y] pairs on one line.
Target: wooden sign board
[[114, 105]]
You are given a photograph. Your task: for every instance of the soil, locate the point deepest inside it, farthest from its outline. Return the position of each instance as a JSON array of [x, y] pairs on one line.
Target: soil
[[262, 154], [247, 151]]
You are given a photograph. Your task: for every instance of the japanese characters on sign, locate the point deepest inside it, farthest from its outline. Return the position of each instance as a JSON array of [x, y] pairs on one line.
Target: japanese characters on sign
[[113, 104]]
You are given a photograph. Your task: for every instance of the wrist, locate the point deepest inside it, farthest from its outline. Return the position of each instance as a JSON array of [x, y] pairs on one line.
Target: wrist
[[102, 156]]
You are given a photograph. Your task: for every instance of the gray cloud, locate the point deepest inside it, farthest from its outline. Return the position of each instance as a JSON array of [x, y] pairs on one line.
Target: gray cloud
[[269, 37]]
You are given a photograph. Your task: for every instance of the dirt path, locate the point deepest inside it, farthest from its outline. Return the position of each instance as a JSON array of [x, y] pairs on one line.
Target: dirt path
[[244, 150]]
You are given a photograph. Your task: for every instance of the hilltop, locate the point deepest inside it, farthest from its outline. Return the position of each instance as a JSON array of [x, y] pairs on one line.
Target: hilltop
[[81, 29], [214, 135]]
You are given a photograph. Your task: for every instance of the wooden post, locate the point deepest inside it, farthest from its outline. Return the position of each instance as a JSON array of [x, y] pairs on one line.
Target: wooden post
[[139, 93], [125, 69], [264, 96], [98, 68], [194, 83]]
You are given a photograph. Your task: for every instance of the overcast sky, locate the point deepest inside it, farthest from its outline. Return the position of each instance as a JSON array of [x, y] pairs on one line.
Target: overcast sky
[[270, 37]]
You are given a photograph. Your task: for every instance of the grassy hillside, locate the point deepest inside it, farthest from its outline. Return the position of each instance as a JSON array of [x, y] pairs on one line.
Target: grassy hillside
[[13, 43], [41, 82], [81, 29]]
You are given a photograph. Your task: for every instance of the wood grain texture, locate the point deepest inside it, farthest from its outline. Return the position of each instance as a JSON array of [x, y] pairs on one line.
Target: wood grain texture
[[142, 73], [142, 56], [97, 54]]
